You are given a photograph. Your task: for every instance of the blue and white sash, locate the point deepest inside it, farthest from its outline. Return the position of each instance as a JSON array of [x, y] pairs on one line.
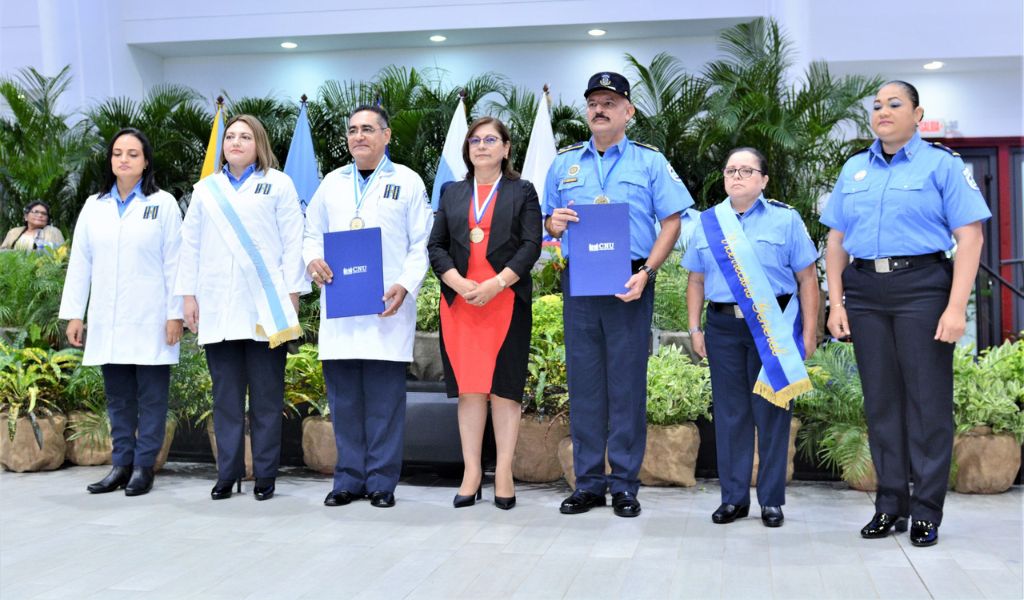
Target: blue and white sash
[[276, 317], [777, 334]]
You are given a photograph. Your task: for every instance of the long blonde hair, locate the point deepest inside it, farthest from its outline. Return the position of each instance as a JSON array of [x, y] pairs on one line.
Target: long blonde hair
[[265, 158]]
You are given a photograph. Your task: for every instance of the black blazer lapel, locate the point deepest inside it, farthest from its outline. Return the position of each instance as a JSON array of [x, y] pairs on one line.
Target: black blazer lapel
[[457, 210], [501, 219]]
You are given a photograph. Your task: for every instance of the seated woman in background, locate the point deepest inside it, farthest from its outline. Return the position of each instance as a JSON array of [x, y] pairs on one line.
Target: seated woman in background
[[37, 233]]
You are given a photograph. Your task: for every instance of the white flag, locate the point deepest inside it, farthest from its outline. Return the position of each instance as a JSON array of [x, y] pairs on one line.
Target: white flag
[[451, 167], [540, 152]]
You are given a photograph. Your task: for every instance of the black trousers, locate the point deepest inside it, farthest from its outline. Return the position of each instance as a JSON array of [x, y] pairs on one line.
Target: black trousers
[[137, 407], [907, 378], [238, 366]]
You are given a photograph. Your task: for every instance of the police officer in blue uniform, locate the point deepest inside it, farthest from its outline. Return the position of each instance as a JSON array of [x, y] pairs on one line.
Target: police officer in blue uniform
[[893, 211], [606, 337], [787, 256]]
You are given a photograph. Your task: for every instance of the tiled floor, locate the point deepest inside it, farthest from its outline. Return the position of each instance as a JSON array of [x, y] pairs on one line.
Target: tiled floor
[[56, 541]]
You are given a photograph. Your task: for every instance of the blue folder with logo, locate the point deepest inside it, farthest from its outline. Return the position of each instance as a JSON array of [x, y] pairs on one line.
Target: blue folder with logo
[[357, 261], [599, 263]]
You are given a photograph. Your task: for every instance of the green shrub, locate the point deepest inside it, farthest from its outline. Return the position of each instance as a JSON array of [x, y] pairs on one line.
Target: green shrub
[[30, 291], [31, 380], [304, 381], [546, 388], [191, 391], [670, 295], [547, 273], [428, 316], [678, 391], [989, 390]]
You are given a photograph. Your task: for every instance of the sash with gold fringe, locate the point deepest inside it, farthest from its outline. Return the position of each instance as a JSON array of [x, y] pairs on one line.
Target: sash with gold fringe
[[777, 334], [276, 317]]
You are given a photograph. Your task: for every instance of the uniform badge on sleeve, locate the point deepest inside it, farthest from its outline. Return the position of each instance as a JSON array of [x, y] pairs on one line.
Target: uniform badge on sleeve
[[969, 176], [860, 175], [672, 173], [426, 198]]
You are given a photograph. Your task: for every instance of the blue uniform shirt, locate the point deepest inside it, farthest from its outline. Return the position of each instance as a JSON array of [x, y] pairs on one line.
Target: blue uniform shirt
[[633, 173], [905, 208], [237, 183], [123, 205], [780, 240]]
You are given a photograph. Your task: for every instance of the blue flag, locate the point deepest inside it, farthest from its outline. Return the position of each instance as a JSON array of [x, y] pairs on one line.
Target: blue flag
[[301, 163]]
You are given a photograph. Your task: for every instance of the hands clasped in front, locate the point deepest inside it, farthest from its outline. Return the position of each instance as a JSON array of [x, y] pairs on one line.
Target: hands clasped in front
[[477, 293]]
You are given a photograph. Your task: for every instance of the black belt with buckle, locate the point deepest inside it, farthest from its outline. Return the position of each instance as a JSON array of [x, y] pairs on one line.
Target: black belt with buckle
[[898, 263], [733, 310]]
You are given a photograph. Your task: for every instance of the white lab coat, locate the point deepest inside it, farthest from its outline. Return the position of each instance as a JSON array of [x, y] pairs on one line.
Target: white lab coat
[[123, 268], [207, 269], [405, 225]]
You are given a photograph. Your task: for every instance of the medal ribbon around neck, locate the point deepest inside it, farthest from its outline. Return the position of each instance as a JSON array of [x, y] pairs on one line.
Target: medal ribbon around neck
[[478, 210], [360, 194], [602, 178]]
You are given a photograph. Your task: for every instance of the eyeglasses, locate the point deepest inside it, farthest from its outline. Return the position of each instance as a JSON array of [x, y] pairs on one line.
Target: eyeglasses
[[486, 141], [365, 130], [742, 172], [39, 213]]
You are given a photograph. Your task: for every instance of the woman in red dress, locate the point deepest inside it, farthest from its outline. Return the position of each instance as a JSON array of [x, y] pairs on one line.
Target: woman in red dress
[[486, 238]]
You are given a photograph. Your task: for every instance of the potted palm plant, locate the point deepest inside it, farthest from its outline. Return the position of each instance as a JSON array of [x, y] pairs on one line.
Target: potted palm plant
[[88, 430], [988, 395], [426, 353], [304, 385], [832, 415]]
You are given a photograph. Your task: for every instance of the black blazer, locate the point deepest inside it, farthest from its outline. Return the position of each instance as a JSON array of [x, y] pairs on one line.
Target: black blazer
[[515, 233]]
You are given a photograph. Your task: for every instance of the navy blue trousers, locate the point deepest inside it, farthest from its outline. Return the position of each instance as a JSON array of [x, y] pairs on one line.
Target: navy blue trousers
[[606, 344], [734, 362], [136, 402], [237, 367], [907, 378], [367, 399]]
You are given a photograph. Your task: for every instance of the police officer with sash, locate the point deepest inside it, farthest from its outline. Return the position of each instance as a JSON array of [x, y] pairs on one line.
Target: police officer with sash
[[365, 357], [607, 337], [747, 256], [895, 210]]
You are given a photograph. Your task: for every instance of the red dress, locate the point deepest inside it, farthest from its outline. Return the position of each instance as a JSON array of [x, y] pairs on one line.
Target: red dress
[[473, 335]]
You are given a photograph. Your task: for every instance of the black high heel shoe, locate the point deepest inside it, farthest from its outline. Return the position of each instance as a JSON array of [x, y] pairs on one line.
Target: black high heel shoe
[[222, 489], [505, 503], [470, 500]]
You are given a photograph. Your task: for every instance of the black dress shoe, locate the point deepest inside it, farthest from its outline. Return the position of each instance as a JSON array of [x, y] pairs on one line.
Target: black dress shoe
[[625, 504], [580, 502], [340, 498], [924, 533], [772, 516], [382, 499], [881, 524], [222, 489], [505, 503], [464, 501], [264, 488], [116, 479], [140, 483], [727, 513]]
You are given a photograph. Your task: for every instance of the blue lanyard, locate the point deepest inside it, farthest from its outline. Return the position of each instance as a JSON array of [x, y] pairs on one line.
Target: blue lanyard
[[359, 194], [602, 178], [478, 211]]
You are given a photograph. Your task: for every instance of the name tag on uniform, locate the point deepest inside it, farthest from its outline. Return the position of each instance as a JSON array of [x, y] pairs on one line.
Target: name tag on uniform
[[150, 212], [262, 188], [391, 191], [569, 180]]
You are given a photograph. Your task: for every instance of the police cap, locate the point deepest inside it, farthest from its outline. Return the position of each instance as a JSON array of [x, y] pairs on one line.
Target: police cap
[[606, 80]]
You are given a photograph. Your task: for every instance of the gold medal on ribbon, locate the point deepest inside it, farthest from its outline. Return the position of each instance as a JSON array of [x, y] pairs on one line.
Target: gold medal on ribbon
[[476, 235], [356, 223], [602, 199]]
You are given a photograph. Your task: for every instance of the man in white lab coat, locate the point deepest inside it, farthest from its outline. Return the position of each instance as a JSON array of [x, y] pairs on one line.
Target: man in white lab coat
[[364, 357]]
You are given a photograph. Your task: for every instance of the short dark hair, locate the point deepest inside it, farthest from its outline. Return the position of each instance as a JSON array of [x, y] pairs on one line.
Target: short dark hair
[[149, 185], [382, 115], [506, 163], [757, 154], [35, 203], [915, 98]]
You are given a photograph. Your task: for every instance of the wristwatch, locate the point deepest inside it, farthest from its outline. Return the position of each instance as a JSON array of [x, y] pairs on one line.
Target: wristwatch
[[695, 330], [647, 269]]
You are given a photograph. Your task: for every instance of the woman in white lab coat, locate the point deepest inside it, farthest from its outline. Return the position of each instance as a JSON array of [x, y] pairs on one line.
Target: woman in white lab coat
[[241, 274], [124, 256]]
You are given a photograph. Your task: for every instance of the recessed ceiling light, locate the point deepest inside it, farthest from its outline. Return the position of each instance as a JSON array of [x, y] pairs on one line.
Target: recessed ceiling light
[[289, 45], [597, 32], [935, 64], [437, 38]]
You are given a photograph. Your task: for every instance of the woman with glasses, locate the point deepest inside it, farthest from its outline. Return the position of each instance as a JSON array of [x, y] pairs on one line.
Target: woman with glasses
[[124, 257], [753, 260], [895, 211], [241, 275], [37, 233], [485, 240]]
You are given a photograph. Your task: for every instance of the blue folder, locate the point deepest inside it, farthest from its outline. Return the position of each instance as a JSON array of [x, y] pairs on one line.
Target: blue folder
[[357, 261], [599, 263]]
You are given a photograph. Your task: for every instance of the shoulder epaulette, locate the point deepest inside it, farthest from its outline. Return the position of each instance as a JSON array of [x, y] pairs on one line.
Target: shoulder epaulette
[[575, 146], [774, 202], [945, 147], [648, 146]]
